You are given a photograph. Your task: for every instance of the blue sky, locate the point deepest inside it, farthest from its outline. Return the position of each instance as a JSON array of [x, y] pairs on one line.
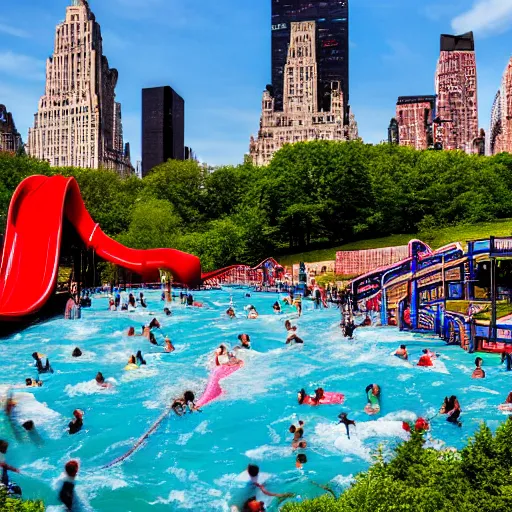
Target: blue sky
[[216, 54]]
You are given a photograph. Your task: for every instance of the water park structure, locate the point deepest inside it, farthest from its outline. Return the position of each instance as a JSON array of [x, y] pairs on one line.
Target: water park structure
[[461, 295]]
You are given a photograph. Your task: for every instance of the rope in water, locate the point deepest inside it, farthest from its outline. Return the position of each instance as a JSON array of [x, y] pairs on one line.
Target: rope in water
[[139, 442]]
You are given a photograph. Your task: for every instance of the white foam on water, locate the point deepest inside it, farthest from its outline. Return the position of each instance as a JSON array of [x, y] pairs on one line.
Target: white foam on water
[[269, 452], [39, 465], [405, 376], [482, 389], [437, 383], [141, 373], [343, 480], [28, 408], [89, 387]]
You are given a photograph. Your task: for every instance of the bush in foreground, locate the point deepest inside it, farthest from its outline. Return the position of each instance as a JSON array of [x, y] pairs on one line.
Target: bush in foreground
[[11, 505], [418, 479]]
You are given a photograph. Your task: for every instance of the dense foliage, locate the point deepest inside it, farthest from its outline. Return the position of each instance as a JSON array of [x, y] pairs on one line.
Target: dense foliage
[[13, 505], [311, 194], [476, 479]]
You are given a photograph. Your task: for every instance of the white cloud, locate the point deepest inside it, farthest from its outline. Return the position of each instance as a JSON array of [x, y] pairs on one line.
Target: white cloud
[[22, 66], [486, 17], [13, 31]]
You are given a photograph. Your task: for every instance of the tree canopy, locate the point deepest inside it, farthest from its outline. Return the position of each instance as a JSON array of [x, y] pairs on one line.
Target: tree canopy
[[312, 194]]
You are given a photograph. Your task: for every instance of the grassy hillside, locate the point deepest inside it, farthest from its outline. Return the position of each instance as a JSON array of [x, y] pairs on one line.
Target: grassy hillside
[[436, 239]]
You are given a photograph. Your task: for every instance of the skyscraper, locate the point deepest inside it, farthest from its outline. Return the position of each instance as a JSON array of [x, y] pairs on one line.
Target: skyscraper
[[10, 139], [500, 137], [414, 115], [78, 122], [302, 118], [332, 46], [163, 127], [456, 124]]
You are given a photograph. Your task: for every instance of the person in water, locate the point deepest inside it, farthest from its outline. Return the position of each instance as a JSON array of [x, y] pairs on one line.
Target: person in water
[[292, 333], [180, 405], [131, 301], [139, 360], [319, 395], [254, 472], [100, 380], [231, 312], [344, 419], [76, 352], [29, 383], [76, 424], [132, 360], [142, 300], [298, 434], [451, 407], [190, 300], [67, 490], [252, 313], [223, 357], [4, 445], [152, 339], [168, 347], [478, 372], [300, 460], [506, 357], [131, 331], [46, 368], [276, 307], [425, 359], [298, 304], [349, 328], [167, 311], [373, 396], [402, 353], [367, 322], [245, 341]]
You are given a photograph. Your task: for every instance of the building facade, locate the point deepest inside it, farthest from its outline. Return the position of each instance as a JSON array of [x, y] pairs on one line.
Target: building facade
[[78, 122], [302, 118], [414, 115], [500, 134], [10, 139], [332, 46], [163, 127], [456, 123]]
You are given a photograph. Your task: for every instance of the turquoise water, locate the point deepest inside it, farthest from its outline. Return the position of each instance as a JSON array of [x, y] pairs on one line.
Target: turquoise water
[[197, 462]]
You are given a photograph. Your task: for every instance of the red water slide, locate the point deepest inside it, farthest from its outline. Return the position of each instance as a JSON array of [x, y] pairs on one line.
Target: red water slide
[[30, 258]]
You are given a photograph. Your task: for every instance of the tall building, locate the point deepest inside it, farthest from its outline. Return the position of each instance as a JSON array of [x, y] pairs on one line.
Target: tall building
[[456, 124], [500, 135], [78, 122], [10, 139], [332, 46], [414, 115], [163, 127], [302, 118]]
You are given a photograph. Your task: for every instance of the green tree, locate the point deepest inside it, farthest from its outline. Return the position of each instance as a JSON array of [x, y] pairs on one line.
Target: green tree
[[12, 505]]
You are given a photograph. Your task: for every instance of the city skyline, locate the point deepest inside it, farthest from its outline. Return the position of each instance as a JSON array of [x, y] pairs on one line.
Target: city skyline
[[226, 46]]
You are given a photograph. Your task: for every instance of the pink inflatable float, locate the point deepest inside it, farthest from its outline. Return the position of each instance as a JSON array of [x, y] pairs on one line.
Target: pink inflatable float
[[213, 389], [330, 398]]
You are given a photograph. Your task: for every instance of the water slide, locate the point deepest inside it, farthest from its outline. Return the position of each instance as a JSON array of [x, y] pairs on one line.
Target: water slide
[[31, 252]]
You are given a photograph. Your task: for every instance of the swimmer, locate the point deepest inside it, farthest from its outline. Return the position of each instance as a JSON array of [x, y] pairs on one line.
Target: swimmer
[[167, 311], [344, 419], [152, 339], [142, 300], [180, 405], [131, 301], [131, 331], [298, 305], [292, 333], [367, 322], [276, 307], [319, 395], [373, 396], [112, 305], [100, 380], [76, 424], [478, 372], [154, 324], [298, 433], [300, 460], [402, 353], [231, 312], [168, 347], [139, 360], [507, 405], [76, 352], [300, 445], [223, 357], [132, 360], [29, 383], [253, 472], [67, 491], [39, 364], [4, 445], [451, 407], [425, 359], [245, 341], [252, 313], [348, 329]]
